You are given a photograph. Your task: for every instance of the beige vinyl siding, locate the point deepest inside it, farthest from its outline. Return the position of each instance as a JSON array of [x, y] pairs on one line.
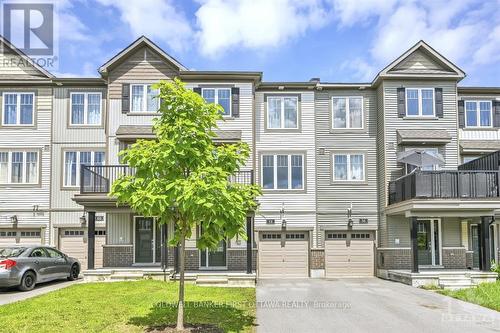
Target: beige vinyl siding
[[398, 227], [119, 228], [419, 62], [451, 233], [10, 69], [382, 221], [335, 197]]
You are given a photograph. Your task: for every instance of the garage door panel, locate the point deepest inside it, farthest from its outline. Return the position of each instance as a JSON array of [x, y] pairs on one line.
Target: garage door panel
[[346, 256], [73, 242]]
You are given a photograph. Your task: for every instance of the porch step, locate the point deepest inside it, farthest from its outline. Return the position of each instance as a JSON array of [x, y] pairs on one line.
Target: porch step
[[211, 280], [126, 276], [455, 282]]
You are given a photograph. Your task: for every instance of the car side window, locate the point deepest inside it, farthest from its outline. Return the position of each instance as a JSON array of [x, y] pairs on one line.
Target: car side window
[[38, 253], [53, 253]]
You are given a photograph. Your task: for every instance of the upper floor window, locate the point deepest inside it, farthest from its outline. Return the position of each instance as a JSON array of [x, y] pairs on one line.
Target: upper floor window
[[18, 109], [19, 167], [73, 160], [283, 172], [221, 96], [144, 98], [86, 108], [420, 102], [282, 112], [348, 167], [347, 112], [478, 114]]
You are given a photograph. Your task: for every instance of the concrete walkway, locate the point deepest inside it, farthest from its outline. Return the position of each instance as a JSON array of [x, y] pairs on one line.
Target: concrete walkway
[[12, 295], [364, 305]]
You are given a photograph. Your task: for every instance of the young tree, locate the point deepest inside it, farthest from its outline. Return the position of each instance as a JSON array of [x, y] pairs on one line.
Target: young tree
[[182, 177]]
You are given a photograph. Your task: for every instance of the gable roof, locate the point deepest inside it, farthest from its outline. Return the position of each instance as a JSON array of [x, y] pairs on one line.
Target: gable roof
[[138, 43], [435, 58], [4, 41]]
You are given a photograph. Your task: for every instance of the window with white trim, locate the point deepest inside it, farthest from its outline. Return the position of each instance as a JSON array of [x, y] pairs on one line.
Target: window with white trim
[[221, 96], [19, 167], [282, 112], [347, 112], [348, 167], [420, 102], [73, 160], [466, 159], [85, 108], [283, 172], [143, 98], [18, 109], [478, 114]]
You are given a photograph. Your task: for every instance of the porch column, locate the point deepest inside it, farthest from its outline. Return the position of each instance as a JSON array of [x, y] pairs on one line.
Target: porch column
[[249, 244], [91, 241], [163, 239], [414, 244], [484, 244]]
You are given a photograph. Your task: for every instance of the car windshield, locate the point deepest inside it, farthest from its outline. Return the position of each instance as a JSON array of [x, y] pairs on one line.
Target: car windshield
[[11, 251]]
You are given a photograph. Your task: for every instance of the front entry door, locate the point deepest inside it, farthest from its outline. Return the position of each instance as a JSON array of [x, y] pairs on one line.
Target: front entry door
[[215, 258], [428, 242], [144, 236]]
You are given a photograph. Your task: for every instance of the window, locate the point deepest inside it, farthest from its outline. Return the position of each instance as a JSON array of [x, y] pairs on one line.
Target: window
[[8, 233], [74, 159], [410, 168], [419, 102], [478, 114], [38, 253], [282, 112], [295, 236], [144, 98], [348, 167], [74, 232], [336, 236], [467, 159], [85, 108], [347, 112], [221, 96], [282, 172], [18, 109], [30, 233], [53, 253], [18, 167], [271, 236]]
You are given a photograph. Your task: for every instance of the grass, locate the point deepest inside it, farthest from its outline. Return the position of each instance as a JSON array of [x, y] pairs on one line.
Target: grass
[[485, 294], [129, 307]]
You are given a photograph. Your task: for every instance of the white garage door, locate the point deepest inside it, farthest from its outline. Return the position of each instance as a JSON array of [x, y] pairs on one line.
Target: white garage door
[[20, 236], [283, 258], [349, 254], [73, 242]]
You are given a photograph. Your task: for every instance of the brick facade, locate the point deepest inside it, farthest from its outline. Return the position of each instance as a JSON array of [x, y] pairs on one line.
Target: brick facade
[[237, 259], [454, 258], [394, 258], [317, 259], [469, 259], [118, 256]]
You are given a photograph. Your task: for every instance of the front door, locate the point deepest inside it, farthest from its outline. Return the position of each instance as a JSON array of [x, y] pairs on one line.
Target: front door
[[428, 242], [214, 258], [144, 239], [474, 232]]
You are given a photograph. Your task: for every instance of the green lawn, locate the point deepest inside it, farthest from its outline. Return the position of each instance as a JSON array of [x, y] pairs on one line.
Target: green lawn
[[129, 307], [485, 294]]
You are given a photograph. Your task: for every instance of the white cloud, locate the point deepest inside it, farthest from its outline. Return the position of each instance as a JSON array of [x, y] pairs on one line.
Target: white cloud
[[157, 19], [349, 13], [254, 24], [359, 69]]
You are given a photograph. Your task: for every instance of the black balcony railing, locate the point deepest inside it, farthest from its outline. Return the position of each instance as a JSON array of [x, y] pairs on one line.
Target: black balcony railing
[[446, 184], [97, 179]]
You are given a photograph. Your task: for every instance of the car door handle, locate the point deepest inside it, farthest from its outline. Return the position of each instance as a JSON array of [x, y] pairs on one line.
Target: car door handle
[[37, 262]]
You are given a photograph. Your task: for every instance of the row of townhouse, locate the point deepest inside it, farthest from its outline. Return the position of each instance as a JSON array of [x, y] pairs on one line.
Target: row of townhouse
[[336, 201]]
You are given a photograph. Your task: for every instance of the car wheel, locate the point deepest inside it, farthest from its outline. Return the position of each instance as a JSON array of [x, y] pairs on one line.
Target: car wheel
[[74, 272], [28, 281]]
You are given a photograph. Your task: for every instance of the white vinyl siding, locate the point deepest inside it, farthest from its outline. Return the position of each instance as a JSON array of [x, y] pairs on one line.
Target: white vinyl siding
[[221, 96], [478, 114], [73, 161], [348, 167], [283, 172], [18, 109], [19, 167], [420, 102], [282, 112], [143, 98], [86, 108], [347, 112]]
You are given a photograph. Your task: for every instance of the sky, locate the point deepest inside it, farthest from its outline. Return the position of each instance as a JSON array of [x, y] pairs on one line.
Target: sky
[[288, 40]]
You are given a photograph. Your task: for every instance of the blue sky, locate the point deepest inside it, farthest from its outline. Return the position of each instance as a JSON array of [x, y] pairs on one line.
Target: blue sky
[[289, 40]]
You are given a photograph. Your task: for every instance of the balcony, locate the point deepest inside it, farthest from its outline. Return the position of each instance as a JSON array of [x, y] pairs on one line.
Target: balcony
[[446, 184], [98, 179]]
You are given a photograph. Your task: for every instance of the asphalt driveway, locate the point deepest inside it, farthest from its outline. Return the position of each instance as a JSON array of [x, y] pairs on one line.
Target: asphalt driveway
[[364, 305], [11, 295]]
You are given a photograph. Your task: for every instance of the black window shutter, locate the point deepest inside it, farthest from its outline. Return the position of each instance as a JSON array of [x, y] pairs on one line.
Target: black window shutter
[[495, 105], [125, 98], [401, 102], [438, 95], [461, 114], [235, 102], [197, 90]]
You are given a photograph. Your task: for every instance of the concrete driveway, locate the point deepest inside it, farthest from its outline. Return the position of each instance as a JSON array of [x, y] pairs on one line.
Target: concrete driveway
[[12, 295], [364, 305]]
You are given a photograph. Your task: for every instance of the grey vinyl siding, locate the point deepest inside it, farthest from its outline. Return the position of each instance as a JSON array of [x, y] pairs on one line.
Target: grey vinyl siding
[[381, 190], [398, 227], [418, 62], [451, 232], [334, 197], [119, 228]]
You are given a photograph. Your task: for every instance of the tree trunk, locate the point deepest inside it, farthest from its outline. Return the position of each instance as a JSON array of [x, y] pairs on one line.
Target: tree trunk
[[180, 305]]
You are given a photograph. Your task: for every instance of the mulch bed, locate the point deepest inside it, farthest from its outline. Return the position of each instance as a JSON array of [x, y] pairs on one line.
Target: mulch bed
[[188, 328]]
